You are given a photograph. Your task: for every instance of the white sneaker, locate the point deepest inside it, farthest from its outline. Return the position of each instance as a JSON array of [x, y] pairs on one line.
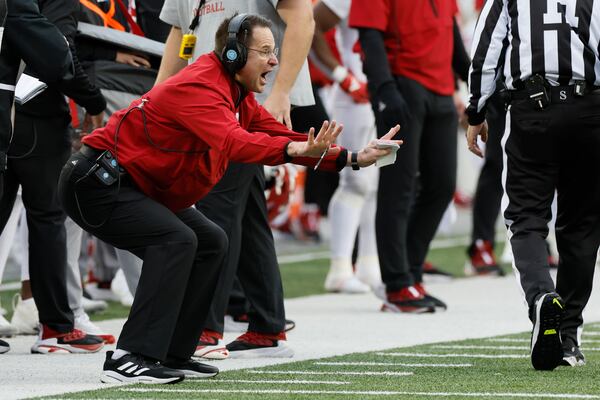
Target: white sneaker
[[25, 317], [119, 287], [103, 294], [350, 285], [92, 306], [84, 324], [6, 329]]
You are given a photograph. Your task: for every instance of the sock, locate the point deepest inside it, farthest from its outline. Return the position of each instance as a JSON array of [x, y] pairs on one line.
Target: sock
[[119, 353]]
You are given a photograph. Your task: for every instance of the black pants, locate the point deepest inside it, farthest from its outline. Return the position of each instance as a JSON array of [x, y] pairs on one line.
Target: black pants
[[555, 149], [405, 230], [183, 253], [237, 204], [488, 195], [39, 149], [320, 185]]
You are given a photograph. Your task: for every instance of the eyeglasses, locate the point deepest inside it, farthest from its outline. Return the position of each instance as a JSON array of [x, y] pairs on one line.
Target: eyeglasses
[[266, 54]]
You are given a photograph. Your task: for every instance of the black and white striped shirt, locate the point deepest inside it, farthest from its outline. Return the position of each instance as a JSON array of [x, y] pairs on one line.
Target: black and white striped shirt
[[558, 39]]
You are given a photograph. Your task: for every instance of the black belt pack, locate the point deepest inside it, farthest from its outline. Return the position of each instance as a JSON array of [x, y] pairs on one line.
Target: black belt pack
[[106, 167]]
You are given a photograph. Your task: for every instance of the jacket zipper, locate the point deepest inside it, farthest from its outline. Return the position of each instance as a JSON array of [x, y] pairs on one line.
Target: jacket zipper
[[434, 7]]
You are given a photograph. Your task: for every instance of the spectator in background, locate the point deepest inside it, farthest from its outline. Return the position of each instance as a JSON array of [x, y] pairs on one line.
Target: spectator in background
[[40, 147], [408, 56], [352, 208]]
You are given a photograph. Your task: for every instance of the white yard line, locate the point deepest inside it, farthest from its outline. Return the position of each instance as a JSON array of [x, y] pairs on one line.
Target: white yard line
[[452, 355], [509, 340], [370, 393], [391, 364], [349, 373], [263, 381], [477, 347]]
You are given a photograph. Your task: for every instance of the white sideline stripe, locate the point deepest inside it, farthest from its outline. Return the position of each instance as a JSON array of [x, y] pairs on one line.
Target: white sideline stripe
[[509, 340], [465, 355], [370, 373], [299, 382], [478, 347], [417, 365], [370, 393], [320, 255], [591, 333]]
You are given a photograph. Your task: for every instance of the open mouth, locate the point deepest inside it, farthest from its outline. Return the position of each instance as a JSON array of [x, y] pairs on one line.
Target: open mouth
[[263, 76]]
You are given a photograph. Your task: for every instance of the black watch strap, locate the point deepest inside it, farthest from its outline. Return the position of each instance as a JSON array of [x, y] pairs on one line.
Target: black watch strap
[[354, 160]]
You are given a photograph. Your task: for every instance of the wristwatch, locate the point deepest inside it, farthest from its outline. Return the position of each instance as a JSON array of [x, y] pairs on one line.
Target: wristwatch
[[354, 160]]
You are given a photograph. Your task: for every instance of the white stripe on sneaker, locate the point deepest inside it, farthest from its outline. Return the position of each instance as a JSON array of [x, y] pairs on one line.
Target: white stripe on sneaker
[[130, 370], [142, 370], [126, 365]]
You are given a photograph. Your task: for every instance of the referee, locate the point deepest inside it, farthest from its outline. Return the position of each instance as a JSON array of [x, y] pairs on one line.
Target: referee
[[551, 66]]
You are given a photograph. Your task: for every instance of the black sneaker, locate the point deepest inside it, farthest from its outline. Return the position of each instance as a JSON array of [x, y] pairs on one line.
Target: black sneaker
[[4, 347], [546, 346], [572, 355], [192, 369], [134, 368]]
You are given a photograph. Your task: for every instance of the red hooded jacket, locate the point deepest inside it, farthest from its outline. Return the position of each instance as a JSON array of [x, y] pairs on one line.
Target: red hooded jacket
[[195, 123]]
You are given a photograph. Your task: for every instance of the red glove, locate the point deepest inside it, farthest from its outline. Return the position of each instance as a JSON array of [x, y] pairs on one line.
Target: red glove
[[348, 82]]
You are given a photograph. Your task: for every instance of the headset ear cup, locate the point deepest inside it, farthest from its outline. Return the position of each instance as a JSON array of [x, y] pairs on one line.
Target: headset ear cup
[[242, 56]]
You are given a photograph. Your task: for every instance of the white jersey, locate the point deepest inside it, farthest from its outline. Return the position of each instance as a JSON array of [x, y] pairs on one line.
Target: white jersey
[[179, 13], [346, 37]]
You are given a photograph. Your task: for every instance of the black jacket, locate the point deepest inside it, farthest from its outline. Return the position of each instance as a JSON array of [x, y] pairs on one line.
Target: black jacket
[[30, 37], [51, 103]]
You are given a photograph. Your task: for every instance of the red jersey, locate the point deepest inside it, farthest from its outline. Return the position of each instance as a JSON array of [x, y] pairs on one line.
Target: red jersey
[[418, 37], [196, 122]]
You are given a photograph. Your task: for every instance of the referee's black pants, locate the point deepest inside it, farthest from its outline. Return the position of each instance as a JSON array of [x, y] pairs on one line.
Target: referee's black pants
[[405, 228], [39, 149], [237, 204], [182, 251], [554, 149]]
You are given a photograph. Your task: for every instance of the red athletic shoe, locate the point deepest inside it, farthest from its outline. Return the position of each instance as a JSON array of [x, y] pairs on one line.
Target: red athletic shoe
[[437, 303], [210, 346], [255, 344], [482, 260], [408, 300], [50, 342]]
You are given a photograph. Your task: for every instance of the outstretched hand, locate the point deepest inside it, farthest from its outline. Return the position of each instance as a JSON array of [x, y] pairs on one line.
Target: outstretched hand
[[372, 153], [315, 146]]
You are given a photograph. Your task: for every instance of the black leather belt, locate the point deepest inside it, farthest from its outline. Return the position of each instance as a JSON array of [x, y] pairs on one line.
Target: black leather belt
[[557, 93], [90, 152]]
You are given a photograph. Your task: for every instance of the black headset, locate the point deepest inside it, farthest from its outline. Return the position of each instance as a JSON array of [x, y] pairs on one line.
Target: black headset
[[234, 53]]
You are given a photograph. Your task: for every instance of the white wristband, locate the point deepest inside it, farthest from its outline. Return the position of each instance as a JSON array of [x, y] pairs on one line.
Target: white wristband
[[339, 74]]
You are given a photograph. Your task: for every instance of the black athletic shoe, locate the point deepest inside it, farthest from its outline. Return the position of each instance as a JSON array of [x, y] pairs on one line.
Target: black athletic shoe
[[134, 368], [437, 303], [572, 355], [546, 346], [4, 347], [192, 369]]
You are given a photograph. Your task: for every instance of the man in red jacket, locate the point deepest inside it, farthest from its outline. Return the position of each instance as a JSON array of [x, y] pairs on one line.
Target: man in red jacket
[[135, 180]]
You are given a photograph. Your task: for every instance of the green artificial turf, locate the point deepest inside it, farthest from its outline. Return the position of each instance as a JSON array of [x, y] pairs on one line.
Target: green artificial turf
[[467, 376]]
